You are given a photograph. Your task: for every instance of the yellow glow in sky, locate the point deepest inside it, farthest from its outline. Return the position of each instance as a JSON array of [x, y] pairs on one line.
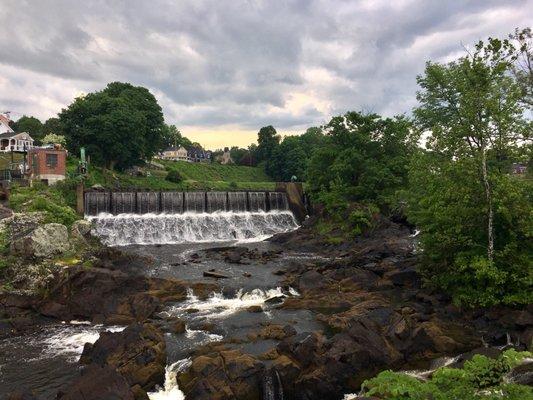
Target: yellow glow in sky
[[218, 138]]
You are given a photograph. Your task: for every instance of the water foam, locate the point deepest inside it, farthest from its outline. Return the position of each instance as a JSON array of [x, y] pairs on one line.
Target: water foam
[[219, 306], [68, 340], [126, 229]]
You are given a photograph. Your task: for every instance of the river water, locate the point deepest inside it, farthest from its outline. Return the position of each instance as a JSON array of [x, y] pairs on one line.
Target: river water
[[180, 246]]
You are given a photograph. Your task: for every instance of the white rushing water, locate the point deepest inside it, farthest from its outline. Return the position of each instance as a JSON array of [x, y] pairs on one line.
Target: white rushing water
[[219, 306], [126, 229], [171, 390]]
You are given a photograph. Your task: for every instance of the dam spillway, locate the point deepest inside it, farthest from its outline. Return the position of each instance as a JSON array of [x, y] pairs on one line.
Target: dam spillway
[[126, 218], [116, 203]]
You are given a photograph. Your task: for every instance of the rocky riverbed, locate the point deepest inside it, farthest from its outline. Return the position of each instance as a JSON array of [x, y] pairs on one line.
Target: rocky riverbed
[[291, 318]]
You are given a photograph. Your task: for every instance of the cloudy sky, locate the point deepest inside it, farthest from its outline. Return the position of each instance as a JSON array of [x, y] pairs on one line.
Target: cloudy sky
[[221, 69]]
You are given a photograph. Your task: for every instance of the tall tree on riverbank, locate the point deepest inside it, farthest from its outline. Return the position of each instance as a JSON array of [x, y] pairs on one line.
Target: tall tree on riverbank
[[267, 140], [472, 109], [119, 126]]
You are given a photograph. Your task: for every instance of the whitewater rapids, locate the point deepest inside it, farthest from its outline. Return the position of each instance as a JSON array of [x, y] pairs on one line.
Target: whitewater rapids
[[128, 229]]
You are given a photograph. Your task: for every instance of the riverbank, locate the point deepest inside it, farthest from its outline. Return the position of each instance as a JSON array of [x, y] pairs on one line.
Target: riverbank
[[296, 315]]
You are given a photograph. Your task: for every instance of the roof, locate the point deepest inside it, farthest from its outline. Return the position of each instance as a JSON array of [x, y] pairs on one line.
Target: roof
[[7, 135], [4, 125]]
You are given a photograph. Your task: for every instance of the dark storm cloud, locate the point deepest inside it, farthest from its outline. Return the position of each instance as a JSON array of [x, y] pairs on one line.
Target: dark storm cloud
[[244, 63]]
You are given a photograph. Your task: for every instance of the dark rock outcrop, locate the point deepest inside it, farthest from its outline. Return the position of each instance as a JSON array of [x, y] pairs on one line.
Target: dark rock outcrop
[[137, 354], [98, 383]]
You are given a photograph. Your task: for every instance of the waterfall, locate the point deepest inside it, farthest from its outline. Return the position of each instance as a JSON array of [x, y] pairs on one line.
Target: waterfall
[[147, 202], [182, 202], [171, 202], [123, 202], [278, 201], [96, 203], [257, 201], [272, 388], [237, 201], [125, 229], [216, 201], [194, 201], [171, 390]]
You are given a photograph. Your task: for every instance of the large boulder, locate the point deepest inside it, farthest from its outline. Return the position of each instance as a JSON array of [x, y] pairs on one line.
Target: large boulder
[[224, 375], [43, 242], [81, 229], [97, 383], [137, 353]]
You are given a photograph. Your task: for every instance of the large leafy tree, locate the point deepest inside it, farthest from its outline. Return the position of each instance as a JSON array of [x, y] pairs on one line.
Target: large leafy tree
[[31, 125], [472, 214], [291, 157], [53, 126], [363, 158], [119, 126], [267, 140]]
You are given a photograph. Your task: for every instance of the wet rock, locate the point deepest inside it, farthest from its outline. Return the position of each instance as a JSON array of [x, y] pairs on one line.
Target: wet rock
[[521, 374], [21, 395], [275, 299], [137, 353], [43, 242], [280, 272], [255, 309], [224, 375], [406, 277], [178, 327], [215, 274], [81, 229], [311, 280], [96, 383], [247, 274]]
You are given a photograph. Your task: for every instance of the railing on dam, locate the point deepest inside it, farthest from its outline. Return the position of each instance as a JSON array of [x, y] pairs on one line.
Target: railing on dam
[[96, 202]]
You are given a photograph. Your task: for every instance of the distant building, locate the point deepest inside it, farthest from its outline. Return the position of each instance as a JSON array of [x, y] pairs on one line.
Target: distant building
[[47, 165], [197, 154], [11, 141], [519, 168], [176, 154], [225, 158]]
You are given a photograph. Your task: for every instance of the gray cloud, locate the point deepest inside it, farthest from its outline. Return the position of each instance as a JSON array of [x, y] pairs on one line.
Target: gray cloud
[[240, 63]]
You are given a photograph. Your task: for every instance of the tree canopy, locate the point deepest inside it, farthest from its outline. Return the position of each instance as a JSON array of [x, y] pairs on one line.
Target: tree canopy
[[31, 125], [120, 126]]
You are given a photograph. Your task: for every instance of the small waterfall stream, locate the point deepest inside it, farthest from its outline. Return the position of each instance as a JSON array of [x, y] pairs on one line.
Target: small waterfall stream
[[272, 388]]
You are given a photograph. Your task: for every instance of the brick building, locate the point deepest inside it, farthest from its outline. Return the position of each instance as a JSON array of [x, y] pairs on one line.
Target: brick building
[[47, 165]]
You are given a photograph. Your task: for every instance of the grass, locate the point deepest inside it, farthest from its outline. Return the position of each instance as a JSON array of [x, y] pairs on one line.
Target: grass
[[216, 172], [196, 176]]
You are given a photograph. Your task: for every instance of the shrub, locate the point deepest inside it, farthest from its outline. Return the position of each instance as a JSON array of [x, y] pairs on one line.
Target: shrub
[[174, 176], [481, 378]]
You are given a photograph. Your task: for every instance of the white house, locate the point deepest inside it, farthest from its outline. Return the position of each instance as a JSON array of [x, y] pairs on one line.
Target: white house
[[11, 141], [176, 153]]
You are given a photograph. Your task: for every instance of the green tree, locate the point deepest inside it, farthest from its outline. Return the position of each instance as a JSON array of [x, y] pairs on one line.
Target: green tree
[[172, 137], [291, 156], [472, 214], [52, 138], [31, 125], [523, 66], [119, 126], [53, 125], [363, 158], [267, 140]]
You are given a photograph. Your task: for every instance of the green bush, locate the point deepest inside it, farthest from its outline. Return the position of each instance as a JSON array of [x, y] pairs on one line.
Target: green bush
[[481, 378], [48, 200], [174, 176]]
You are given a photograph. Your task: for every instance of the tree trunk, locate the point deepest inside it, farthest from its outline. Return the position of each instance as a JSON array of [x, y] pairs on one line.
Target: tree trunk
[[488, 194]]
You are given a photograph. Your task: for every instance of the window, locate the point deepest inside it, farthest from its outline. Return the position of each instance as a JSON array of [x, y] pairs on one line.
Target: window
[[51, 160]]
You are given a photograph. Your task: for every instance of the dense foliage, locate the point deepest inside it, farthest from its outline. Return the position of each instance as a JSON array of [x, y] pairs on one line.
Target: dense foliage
[[51, 201], [474, 216], [481, 378], [290, 157], [30, 125], [119, 126], [363, 158]]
